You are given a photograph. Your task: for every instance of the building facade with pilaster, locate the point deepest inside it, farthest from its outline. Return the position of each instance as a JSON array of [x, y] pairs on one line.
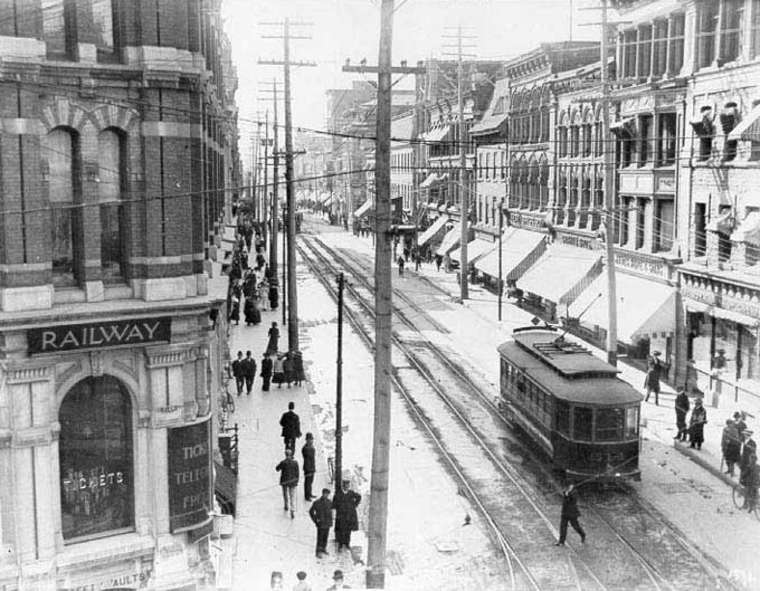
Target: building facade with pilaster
[[118, 160]]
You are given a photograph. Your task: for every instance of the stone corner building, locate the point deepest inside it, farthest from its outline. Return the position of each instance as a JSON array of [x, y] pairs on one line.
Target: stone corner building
[[117, 150]]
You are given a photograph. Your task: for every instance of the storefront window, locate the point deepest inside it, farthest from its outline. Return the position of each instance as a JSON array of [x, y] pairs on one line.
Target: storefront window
[[95, 454], [563, 417]]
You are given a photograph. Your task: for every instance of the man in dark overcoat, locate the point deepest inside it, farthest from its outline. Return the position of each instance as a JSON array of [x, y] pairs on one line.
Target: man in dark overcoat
[[309, 466], [749, 449], [682, 407], [321, 515], [291, 427], [288, 469], [237, 372], [249, 371], [266, 372], [570, 514], [346, 519]]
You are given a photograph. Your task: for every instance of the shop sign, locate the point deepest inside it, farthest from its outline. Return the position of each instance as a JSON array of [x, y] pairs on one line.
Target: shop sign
[[98, 335], [127, 580], [189, 476]]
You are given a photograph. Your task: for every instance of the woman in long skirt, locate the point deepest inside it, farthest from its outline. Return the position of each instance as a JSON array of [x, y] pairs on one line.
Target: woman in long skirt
[[250, 311], [289, 369], [235, 311], [298, 364], [278, 368], [274, 337]]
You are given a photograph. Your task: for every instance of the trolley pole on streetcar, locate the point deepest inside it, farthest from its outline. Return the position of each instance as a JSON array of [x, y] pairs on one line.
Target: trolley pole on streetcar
[[339, 391]]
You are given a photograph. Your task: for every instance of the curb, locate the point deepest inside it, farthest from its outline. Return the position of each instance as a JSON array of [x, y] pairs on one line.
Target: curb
[[700, 459]]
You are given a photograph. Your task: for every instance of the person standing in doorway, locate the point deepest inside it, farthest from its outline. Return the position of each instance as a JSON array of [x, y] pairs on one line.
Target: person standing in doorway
[[237, 372], [249, 372], [321, 515], [345, 503], [570, 514], [291, 427], [266, 372], [682, 407], [309, 466], [288, 469]]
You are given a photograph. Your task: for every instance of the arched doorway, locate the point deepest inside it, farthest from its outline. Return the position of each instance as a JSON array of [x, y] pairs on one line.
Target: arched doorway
[[96, 459]]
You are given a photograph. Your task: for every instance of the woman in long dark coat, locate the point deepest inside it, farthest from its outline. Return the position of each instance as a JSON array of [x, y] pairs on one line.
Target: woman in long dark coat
[[731, 446], [300, 376], [235, 310], [274, 337], [697, 424], [266, 372], [252, 314]]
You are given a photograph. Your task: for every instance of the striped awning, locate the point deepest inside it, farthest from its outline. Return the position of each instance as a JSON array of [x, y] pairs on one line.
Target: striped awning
[[476, 249], [562, 273], [450, 241], [363, 209], [432, 230], [520, 249]]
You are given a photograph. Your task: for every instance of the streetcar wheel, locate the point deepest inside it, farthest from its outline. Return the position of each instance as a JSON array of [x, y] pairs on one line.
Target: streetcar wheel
[[738, 495]]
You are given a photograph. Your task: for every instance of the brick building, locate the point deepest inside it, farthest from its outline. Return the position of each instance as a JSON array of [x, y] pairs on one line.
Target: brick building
[[117, 154]]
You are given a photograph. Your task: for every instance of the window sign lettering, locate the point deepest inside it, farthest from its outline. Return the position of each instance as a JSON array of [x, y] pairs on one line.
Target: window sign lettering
[[98, 335], [189, 476]]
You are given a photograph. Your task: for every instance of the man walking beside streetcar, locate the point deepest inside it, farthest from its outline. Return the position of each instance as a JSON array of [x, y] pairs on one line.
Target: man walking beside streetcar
[[570, 514]]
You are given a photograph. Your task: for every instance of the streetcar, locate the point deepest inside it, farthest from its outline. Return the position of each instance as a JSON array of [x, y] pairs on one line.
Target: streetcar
[[571, 404]]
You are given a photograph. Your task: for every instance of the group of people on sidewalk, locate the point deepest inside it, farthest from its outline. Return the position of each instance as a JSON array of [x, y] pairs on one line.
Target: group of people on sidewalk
[[738, 448], [344, 504], [277, 582]]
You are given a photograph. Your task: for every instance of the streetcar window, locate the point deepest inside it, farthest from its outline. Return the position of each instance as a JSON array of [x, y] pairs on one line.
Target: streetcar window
[[609, 424], [582, 423], [563, 417], [631, 422]]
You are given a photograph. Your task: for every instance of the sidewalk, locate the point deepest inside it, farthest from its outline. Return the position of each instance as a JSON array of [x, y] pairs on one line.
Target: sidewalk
[[658, 422], [427, 545]]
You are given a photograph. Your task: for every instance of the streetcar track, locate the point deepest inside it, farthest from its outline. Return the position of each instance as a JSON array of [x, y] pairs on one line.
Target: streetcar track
[[408, 347]]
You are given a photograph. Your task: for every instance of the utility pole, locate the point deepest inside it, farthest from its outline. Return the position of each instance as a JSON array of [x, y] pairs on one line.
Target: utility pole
[[378, 501], [289, 189], [274, 201], [339, 390], [464, 198], [501, 238], [284, 271], [609, 196], [265, 197]]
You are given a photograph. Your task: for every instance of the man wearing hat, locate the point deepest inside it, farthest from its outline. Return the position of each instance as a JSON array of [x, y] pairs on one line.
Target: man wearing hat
[[321, 515], [346, 519], [652, 380], [288, 469], [337, 581], [697, 424], [309, 466], [748, 450]]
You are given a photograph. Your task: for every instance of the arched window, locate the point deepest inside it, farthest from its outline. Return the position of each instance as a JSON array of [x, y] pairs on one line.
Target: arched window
[[587, 125], [572, 203], [598, 198], [585, 203], [543, 183], [514, 183], [562, 140], [96, 459], [535, 116], [524, 180], [111, 173], [60, 148], [561, 196], [545, 104], [533, 192], [575, 136]]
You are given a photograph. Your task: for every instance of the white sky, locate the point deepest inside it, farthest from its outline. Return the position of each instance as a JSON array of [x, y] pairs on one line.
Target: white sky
[[350, 29]]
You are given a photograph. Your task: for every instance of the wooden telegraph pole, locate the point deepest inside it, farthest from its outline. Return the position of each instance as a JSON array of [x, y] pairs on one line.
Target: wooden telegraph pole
[[378, 500], [286, 63], [339, 390], [464, 197], [609, 196]]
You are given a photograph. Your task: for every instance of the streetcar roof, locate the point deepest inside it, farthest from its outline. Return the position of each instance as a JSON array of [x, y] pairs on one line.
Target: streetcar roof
[[588, 387]]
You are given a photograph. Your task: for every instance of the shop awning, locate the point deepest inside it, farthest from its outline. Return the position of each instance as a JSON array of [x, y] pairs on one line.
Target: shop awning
[[225, 486], [562, 273], [364, 209], [749, 230], [722, 313], [476, 249], [450, 241], [520, 249], [749, 128], [436, 134], [431, 231], [643, 307]]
